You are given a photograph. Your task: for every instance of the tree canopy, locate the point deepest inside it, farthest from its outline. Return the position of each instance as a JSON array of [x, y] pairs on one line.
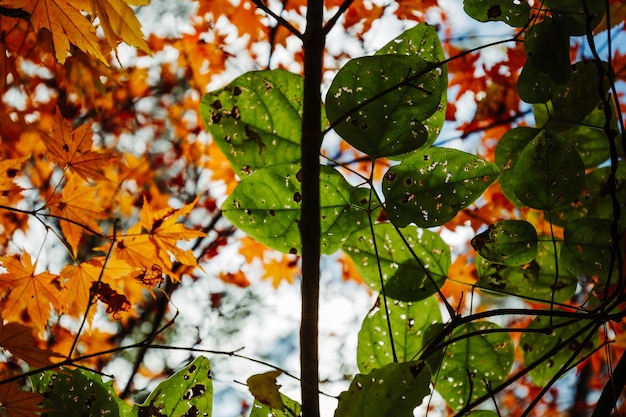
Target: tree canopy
[[473, 185]]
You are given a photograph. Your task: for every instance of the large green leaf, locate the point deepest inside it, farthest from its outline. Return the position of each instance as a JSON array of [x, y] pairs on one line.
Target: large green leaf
[[475, 364], [422, 40], [431, 251], [431, 186], [533, 86], [256, 120], [556, 348], [507, 242], [571, 16], [189, 392], [77, 393], [587, 246], [391, 391], [508, 150], [534, 280], [411, 324], [547, 50], [514, 13], [378, 103], [266, 206], [549, 172]]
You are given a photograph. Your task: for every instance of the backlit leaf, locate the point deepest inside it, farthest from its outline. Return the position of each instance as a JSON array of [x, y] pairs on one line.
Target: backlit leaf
[[508, 242], [254, 126], [266, 206], [431, 186], [507, 153], [475, 364], [392, 391], [292, 408], [118, 20], [265, 390], [18, 403], [513, 13], [18, 339], [587, 246]]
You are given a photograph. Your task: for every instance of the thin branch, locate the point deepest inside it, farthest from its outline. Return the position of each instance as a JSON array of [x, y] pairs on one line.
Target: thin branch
[[281, 20], [333, 20]]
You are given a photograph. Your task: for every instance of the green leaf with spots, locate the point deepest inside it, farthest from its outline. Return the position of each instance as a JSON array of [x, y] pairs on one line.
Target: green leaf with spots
[[431, 186], [189, 392], [534, 281], [533, 86], [378, 103], [513, 13], [422, 40], [391, 391], [575, 17], [476, 363], [292, 408], [424, 254], [547, 50], [78, 393], [566, 342], [587, 246], [266, 206], [507, 153], [549, 172], [364, 206], [256, 119], [507, 242], [412, 327]]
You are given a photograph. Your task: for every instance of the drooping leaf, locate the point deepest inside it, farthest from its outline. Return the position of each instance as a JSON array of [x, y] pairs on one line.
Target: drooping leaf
[[431, 251], [547, 49], [411, 324], [422, 40], [507, 242], [378, 103], [567, 336], [431, 186], [266, 206], [549, 172], [392, 391], [65, 22], [478, 362], [265, 390], [535, 280], [587, 246], [187, 392], [77, 393], [29, 296], [513, 13], [256, 119]]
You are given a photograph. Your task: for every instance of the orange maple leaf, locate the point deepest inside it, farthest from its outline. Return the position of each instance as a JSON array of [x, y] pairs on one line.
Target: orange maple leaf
[[251, 249], [27, 292], [283, 269], [72, 149], [238, 278], [18, 403], [78, 210], [9, 168], [165, 231], [18, 339], [119, 21], [348, 269], [66, 23]]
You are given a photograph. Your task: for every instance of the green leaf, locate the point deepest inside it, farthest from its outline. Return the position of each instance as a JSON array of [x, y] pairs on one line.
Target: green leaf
[[587, 246], [292, 408], [77, 393], [433, 254], [571, 15], [377, 103], [533, 86], [364, 205], [266, 206], [391, 391], [547, 50], [507, 242], [560, 345], [533, 281], [513, 13], [423, 40], [256, 119], [431, 186], [549, 172], [508, 150], [480, 413], [411, 325], [475, 364]]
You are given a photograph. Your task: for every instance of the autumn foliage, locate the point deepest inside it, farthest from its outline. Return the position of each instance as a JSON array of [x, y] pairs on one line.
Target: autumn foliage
[[110, 185]]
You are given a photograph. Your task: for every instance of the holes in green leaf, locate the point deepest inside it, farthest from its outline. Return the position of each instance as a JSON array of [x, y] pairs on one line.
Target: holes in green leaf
[[513, 13], [508, 242]]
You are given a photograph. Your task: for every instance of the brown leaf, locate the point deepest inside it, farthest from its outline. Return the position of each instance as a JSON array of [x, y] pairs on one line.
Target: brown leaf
[[265, 389]]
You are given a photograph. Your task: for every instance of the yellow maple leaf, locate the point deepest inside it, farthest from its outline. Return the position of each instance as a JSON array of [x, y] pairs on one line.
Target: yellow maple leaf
[[251, 249], [77, 209], [27, 292], [118, 20], [283, 269], [66, 23]]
